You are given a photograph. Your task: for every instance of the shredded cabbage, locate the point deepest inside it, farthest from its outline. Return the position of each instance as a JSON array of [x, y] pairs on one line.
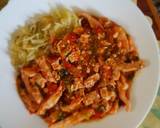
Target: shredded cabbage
[[33, 39]]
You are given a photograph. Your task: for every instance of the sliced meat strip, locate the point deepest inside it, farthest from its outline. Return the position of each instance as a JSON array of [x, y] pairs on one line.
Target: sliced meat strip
[[74, 56], [51, 101], [114, 108], [116, 74], [52, 118], [125, 67], [75, 118], [91, 80], [29, 102], [45, 68], [84, 39], [72, 106], [56, 64], [107, 95], [123, 95], [64, 48], [39, 80], [33, 90], [121, 37], [30, 71], [90, 98], [55, 76], [78, 84], [94, 23]]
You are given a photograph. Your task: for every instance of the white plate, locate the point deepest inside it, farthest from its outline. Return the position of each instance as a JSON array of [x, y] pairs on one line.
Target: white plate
[[12, 111]]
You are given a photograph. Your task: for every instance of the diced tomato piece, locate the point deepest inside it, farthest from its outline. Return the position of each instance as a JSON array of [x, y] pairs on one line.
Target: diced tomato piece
[[72, 69], [51, 87], [72, 37], [52, 58], [67, 65], [99, 30], [78, 30], [97, 115]]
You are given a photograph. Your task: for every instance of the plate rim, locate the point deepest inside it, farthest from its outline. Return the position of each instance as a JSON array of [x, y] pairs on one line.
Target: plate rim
[[158, 54]]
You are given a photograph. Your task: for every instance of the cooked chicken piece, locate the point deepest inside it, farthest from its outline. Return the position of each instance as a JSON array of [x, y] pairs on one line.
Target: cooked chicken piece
[[56, 76], [91, 80], [50, 89], [123, 95], [114, 108], [74, 56], [122, 38], [124, 82], [33, 90], [107, 105], [30, 71], [72, 106], [128, 67], [56, 64], [84, 39], [105, 22], [39, 80], [45, 68], [101, 109], [116, 74], [94, 23], [90, 98], [101, 50], [29, 102], [51, 101], [88, 70], [106, 73], [104, 43], [80, 92], [78, 84], [107, 95], [96, 67], [64, 48], [53, 117], [75, 118], [101, 35], [128, 94], [104, 83], [72, 69]]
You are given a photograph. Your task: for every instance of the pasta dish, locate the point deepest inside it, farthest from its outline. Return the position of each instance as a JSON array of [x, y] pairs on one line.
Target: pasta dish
[[74, 67]]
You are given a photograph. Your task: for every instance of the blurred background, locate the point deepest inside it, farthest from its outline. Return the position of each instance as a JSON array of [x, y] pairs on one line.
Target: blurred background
[[151, 8], [157, 4]]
